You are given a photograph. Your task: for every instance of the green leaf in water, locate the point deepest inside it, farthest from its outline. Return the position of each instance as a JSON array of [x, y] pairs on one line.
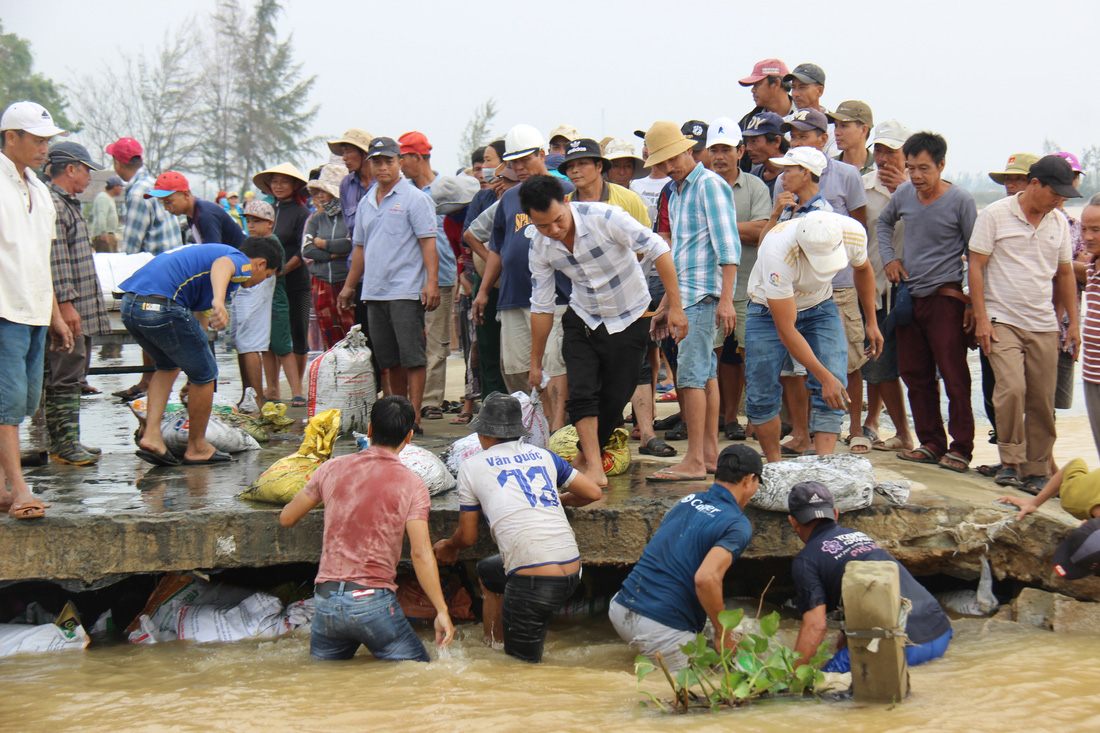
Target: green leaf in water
[[730, 619], [770, 624]]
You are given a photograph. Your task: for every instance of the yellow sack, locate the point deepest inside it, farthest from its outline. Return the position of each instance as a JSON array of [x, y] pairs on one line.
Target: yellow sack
[[616, 454], [287, 476], [273, 417]]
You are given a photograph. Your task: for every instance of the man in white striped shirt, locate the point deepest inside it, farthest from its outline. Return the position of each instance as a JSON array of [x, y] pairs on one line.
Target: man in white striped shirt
[[604, 333]]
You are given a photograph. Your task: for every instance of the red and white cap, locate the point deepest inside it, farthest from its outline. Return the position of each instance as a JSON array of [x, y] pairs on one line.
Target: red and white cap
[[764, 69]]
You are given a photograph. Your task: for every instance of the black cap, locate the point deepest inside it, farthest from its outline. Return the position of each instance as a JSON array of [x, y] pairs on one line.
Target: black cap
[[740, 458], [807, 74], [501, 416], [1079, 555], [386, 146], [583, 148], [69, 152], [810, 500], [1050, 170], [696, 131]]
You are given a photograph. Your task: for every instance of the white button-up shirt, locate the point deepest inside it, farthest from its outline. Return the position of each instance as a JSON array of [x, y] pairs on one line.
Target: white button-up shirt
[[27, 227], [608, 285]]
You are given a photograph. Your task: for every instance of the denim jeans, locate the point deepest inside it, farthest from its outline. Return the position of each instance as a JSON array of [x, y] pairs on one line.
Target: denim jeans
[[21, 358], [529, 603], [344, 621], [696, 360], [765, 354], [172, 336], [915, 655]]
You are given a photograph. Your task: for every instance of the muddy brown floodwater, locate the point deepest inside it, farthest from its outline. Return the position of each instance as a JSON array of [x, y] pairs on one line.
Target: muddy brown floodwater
[[994, 677]]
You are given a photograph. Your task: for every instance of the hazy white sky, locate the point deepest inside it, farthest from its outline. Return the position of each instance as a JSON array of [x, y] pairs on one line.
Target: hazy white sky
[[993, 78]]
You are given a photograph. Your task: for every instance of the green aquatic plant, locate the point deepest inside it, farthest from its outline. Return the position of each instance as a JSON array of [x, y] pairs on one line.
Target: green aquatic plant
[[758, 666]]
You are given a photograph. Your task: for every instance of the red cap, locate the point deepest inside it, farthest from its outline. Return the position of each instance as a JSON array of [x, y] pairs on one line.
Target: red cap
[[124, 149], [222, 195], [415, 142], [168, 183], [763, 69]]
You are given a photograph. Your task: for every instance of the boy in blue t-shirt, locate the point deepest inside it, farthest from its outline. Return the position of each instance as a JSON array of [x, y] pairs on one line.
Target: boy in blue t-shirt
[[166, 307]]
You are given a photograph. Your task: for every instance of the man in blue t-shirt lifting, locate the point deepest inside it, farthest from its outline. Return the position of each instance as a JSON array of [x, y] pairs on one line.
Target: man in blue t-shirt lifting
[[167, 306]]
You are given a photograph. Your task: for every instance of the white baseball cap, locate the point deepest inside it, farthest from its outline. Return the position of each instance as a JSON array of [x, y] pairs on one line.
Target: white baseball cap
[[820, 236], [890, 133], [30, 117], [522, 140], [724, 131], [809, 158]]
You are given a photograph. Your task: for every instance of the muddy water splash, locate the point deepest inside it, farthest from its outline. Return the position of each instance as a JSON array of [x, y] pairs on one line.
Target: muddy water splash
[[1004, 677]]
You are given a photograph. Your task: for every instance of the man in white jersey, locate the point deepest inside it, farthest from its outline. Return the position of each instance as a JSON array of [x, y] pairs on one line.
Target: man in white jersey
[[517, 486]]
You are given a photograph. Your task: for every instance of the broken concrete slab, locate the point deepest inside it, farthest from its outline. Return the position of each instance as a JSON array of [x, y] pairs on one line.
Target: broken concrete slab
[[1075, 617], [1034, 607]]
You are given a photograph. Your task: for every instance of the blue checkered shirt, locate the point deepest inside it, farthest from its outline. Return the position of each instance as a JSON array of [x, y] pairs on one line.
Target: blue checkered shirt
[[608, 285], [149, 228], [704, 233]]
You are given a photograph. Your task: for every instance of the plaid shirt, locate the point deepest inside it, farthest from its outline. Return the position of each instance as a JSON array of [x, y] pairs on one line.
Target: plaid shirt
[[608, 285], [704, 233], [73, 265], [149, 228]]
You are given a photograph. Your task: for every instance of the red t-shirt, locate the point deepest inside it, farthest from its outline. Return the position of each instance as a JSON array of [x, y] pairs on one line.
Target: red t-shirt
[[369, 496]]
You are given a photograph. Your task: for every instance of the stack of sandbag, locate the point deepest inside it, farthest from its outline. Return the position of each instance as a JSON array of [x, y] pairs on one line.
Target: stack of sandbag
[[342, 378], [37, 634], [850, 479], [616, 454], [287, 476], [422, 462], [188, 608]]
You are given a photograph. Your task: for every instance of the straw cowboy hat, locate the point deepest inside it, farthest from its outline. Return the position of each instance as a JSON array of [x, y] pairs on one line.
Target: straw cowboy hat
[[664, 141], [329, 182], [263, 179], [359, 138]]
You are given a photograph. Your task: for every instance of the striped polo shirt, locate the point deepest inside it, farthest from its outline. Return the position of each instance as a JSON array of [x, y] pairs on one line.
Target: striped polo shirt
[[1090, 328], [704, 233]]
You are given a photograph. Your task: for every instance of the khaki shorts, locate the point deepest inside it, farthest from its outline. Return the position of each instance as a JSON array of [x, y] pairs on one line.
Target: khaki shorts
[[847, 302], [515, 342]]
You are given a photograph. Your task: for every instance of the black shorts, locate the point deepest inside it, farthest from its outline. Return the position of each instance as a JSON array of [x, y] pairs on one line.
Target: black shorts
[[397, 333], [529, 603]]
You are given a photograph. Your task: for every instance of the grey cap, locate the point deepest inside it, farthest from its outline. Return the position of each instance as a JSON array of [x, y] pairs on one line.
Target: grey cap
[[810, 500], [71, 152], [501, 416], [807, 74], [451, 193], [115, 181], [385, 146]]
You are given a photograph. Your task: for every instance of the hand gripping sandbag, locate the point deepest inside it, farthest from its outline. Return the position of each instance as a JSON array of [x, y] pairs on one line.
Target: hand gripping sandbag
[[342, 378], [287, 476], [850, 479]]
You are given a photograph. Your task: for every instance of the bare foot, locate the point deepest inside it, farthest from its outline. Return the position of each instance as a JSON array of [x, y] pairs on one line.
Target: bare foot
[[596, 474]]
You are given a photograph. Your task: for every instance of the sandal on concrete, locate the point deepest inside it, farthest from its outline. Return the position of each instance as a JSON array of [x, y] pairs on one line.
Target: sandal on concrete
[[657, 447], [919, 455]]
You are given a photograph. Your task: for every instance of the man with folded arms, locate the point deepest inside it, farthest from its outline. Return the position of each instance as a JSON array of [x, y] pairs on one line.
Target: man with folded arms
[[939, 217], [1020, 245]]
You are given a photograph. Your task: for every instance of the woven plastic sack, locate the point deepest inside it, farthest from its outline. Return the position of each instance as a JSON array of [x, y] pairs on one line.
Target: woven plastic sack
[[459, 451], [850, 479], [342, 378], [423, 463], [287, 476], [616, 454], [219, 433], [534, 419]]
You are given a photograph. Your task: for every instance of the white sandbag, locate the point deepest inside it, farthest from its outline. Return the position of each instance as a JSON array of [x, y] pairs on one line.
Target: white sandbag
[[259, 616], [534, 419], [223, 436], [850, 479], [342, 378], [112, 268], [423, 463], [158, 621], [22, 639], [980, 602], [459, 451]]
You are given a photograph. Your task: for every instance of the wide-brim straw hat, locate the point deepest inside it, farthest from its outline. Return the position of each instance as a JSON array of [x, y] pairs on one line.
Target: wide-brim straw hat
[[355, 136], [664, 141], [330, 178], [262, 180]]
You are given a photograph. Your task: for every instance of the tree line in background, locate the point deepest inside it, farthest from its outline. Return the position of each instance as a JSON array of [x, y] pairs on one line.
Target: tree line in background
[[222, 99]]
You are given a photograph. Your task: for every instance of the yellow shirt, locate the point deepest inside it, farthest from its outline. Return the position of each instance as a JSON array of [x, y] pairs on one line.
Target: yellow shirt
[[1080, 490], [625, 199]]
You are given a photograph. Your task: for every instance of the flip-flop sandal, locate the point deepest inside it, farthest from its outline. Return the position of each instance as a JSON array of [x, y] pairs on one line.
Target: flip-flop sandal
[[870, 434], [1034, 484], [27, 511], [157, 459], [668, 397], [679, 432], [217, 457], [298, 402], [463, 418], [734, 431], [130, 393], [989, 471], [657, 447], [1008, 477], [666, 423], [890, 444], [953, 461], [679, 477], [788, 451], [859, 446], [431, 412], [785, 429], [924, 456]]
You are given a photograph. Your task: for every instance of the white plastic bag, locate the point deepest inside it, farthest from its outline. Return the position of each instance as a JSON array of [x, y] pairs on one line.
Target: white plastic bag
[[23, 638], [223, 436], [850, 479], [342, 378], [423, 463], [459, 451], [534, 419]]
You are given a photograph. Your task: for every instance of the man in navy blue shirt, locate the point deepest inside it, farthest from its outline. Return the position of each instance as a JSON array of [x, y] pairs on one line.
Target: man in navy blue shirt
[[209, 222], [165, 309], [677, 584], [818, 571]]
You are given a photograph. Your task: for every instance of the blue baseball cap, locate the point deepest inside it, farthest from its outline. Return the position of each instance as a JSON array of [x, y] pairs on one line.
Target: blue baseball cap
[[764, 123]]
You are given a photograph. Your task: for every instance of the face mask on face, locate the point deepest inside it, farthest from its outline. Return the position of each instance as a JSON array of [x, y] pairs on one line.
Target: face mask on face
[[332, 208], [488, 174]]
